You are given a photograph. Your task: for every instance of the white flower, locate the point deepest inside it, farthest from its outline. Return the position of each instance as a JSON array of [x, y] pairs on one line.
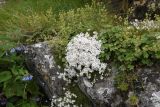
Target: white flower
[[95, 33], [146, 24], [68, 100], [156, 99], [82, 54]]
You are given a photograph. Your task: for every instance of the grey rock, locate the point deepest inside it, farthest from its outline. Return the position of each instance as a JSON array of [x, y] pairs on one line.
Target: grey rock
[[102, 93], [150, 78], [156, 99], [143, 7], [41, 64]]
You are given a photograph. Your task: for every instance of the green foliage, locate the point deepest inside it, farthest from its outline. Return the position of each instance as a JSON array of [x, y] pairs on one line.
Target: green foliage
[[58, 46], [120, 7], [5, 76], [31, 27], [82, 99], [70, 23], [28, 22], [22, 6], [129, 48], [123, 86], [35, 21], [124, 81], [39, 26], [133, 100], [57, 21], [43, 5], [11, 74], [92, 17], [55, 27]]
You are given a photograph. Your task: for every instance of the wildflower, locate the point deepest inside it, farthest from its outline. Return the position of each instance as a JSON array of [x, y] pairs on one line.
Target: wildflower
[[146, 24], [82, 55], [27, 78], [68, 100]]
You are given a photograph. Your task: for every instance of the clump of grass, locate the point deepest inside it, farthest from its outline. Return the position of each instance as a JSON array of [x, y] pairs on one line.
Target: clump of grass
[[36, 6], [43, 5]]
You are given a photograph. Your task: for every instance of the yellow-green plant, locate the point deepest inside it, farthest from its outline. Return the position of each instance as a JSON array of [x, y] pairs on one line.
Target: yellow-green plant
[[39, 26], [133, 100]]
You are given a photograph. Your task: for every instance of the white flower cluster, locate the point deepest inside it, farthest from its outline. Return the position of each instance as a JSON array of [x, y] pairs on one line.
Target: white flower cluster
[[156, 99], [146, 24], [66, 101], [82, 55]]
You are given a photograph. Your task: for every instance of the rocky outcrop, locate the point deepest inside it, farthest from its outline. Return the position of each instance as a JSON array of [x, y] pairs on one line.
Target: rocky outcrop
[[150, 77], [103, 93], [143, 7], [41, 64]]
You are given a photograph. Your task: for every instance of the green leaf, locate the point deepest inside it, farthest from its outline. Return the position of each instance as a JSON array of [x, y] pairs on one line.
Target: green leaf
[[130, 67], [145, 55], [146, 61], [157, 54], [33, 88], [123, 86], [5, 76], [4, 37], [5, 63], [7, 46], [14, 70], [122, 67], [18, 71], [26, 103], [17, 88], [10, 105], [1, 53]]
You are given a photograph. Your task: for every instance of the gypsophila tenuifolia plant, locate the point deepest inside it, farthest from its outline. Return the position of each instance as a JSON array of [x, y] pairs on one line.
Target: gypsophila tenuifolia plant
[[146, 24], [68, 100], [82, 56]]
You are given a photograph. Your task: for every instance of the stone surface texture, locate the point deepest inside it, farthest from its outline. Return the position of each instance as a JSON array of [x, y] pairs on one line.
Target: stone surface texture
[[103, 93], [42, 66]]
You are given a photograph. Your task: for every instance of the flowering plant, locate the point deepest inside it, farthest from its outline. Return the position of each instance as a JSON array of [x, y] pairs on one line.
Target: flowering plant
[[146, 24], [82, 55]]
